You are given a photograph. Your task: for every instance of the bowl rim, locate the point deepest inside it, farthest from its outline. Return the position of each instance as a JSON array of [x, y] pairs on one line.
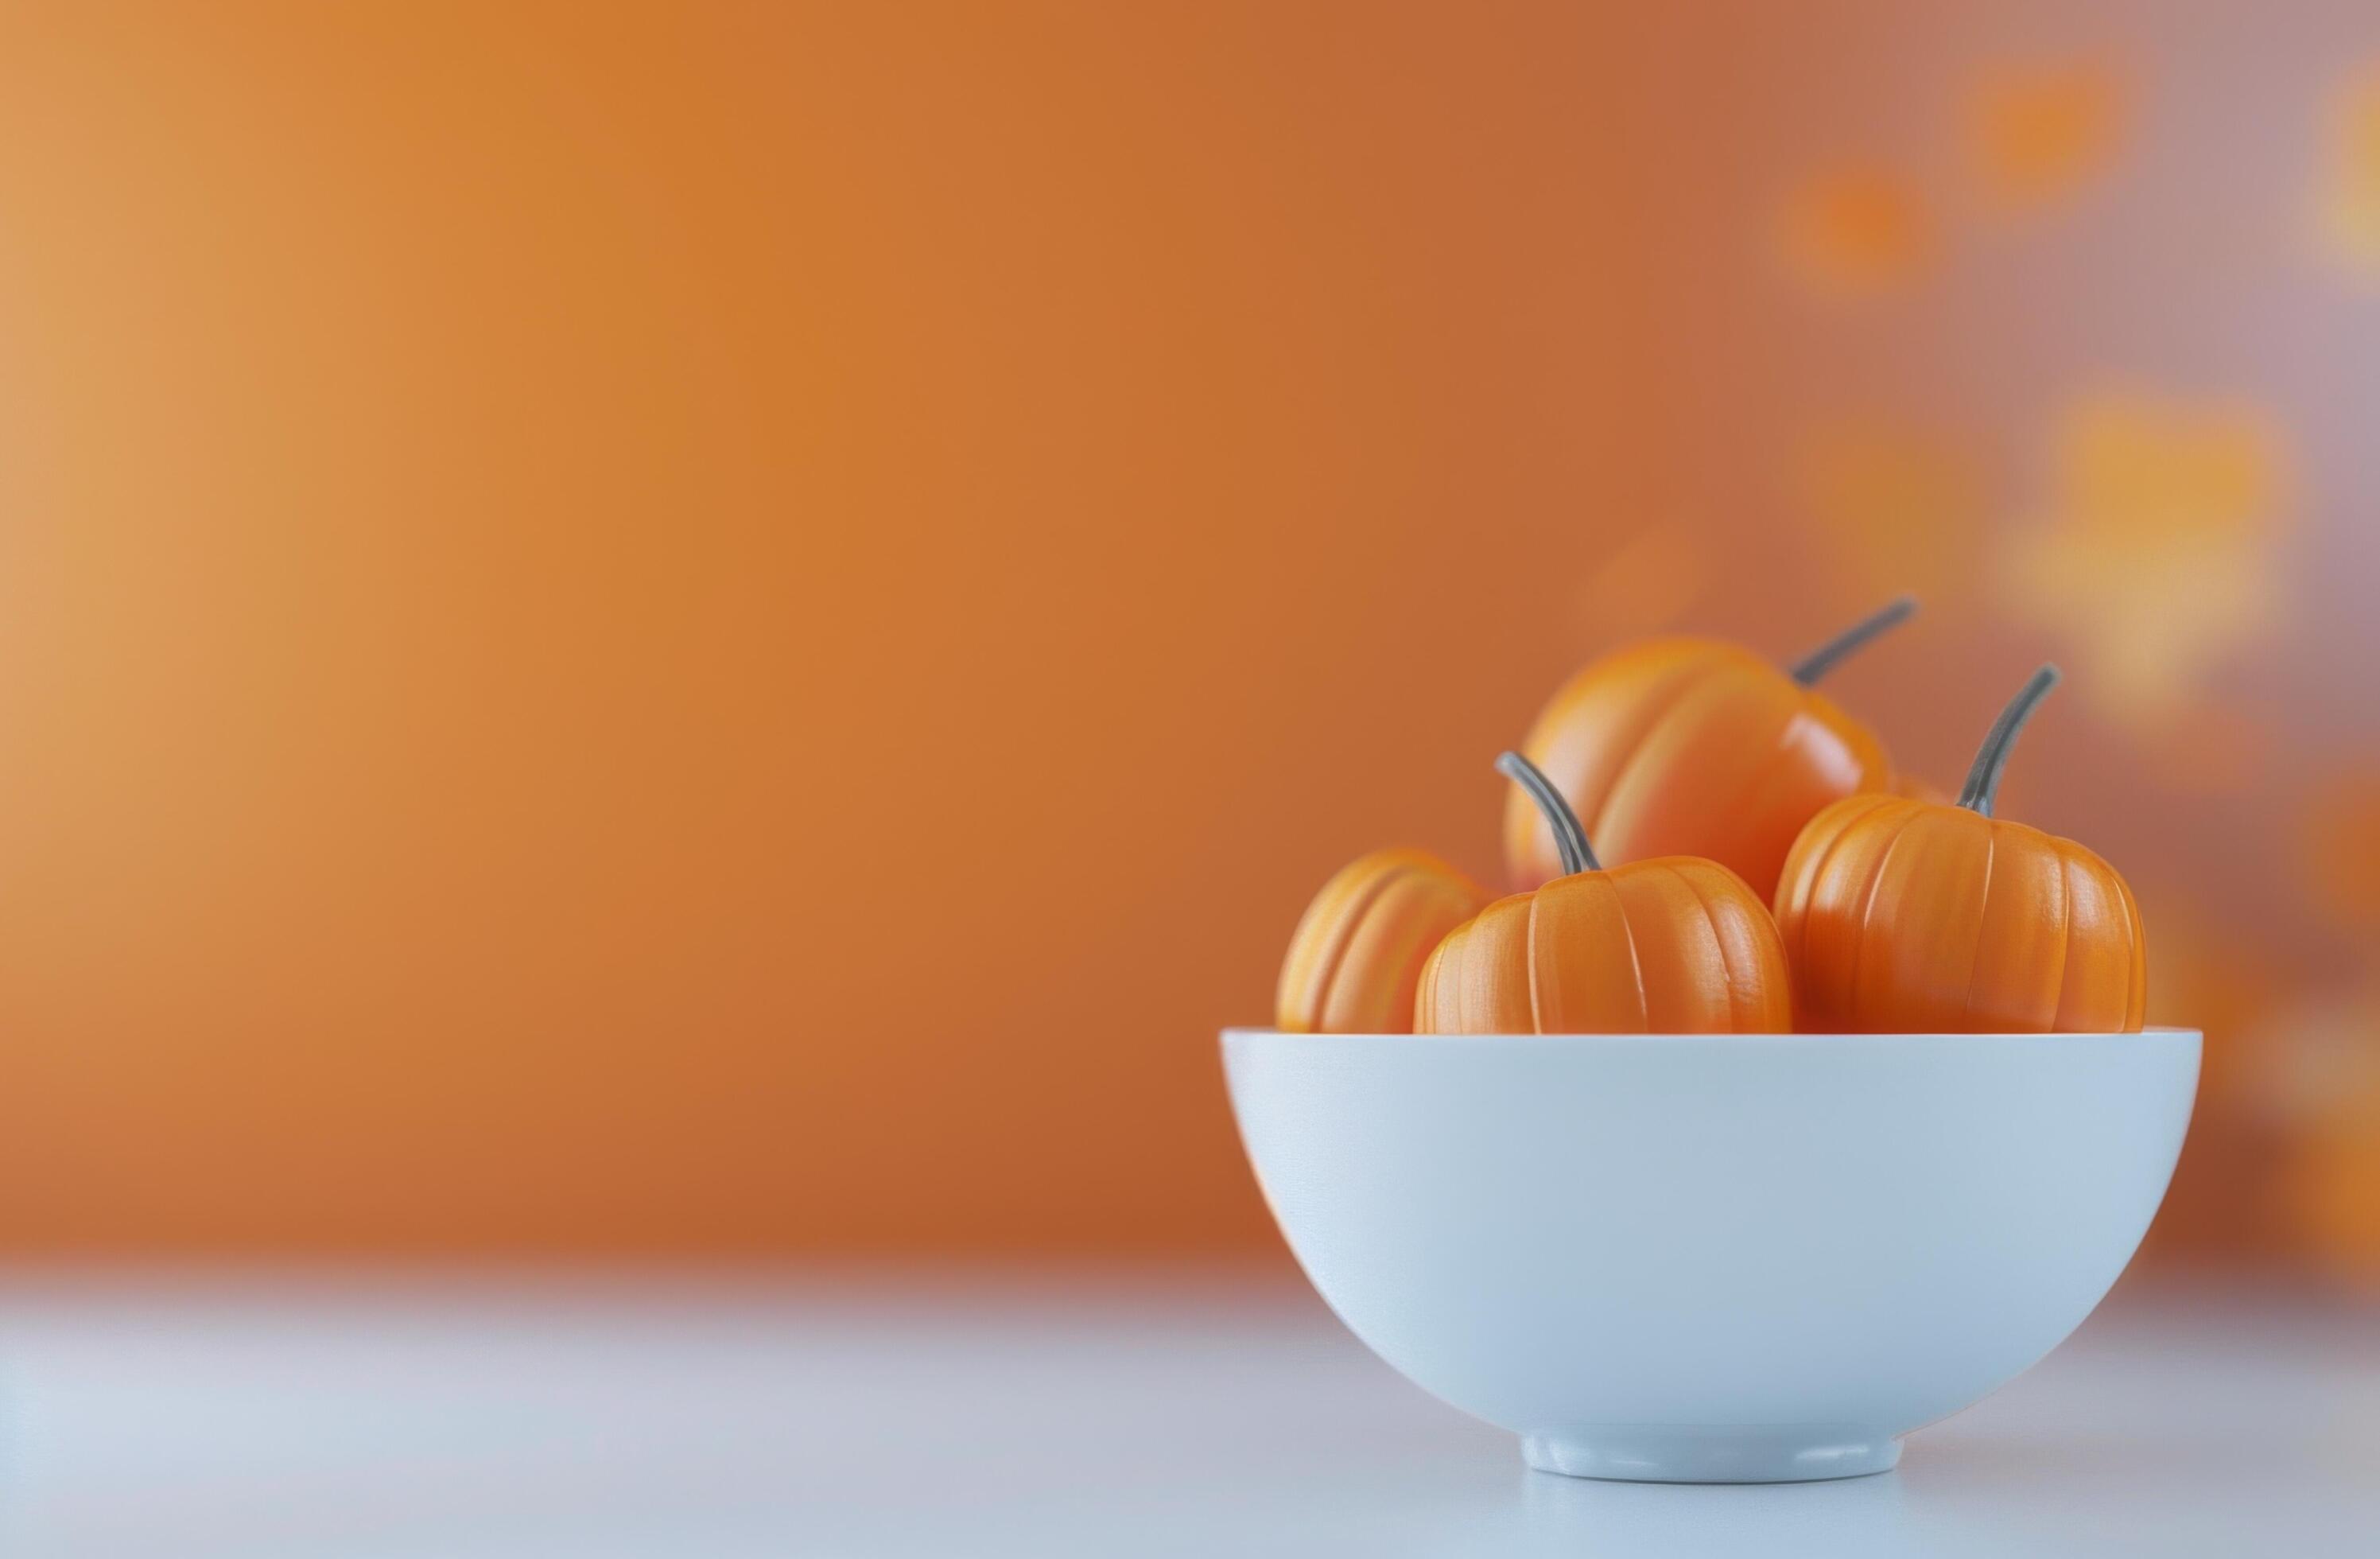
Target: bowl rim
[[1256, 1034]]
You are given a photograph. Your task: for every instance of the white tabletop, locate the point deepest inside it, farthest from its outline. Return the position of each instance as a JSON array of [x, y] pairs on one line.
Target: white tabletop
[[951, 1415]]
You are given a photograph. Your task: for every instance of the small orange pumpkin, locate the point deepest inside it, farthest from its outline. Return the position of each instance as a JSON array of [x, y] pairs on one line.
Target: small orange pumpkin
[[1697, 747], [1676, 945], [1357, 954], [1906, 917]]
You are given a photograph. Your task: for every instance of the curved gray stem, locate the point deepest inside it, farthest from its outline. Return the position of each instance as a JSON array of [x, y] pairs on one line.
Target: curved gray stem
[[1820, 661], [1983, 784], [1577, 855]]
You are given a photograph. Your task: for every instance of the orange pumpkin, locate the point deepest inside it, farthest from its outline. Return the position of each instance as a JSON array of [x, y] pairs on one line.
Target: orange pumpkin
[[1357, 952], [1677, 946], [1697, 747], [1907, 916]]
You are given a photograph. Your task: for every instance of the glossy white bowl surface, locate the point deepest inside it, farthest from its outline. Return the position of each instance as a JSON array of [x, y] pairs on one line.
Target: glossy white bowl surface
[[1713, 1257]]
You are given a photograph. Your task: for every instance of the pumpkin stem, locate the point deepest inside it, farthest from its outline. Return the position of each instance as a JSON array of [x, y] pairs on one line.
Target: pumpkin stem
[[1983, 780], [1577, 855], [1820, 661]]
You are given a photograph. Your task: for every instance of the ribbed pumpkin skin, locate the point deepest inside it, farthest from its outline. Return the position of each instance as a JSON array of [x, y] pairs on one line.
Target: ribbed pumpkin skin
[[1903, 917], [1690, 747], [1669, 947], [1357, 954]]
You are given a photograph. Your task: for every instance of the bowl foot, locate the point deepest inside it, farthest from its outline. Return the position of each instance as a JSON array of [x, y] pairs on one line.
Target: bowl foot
[[1655, 1454]]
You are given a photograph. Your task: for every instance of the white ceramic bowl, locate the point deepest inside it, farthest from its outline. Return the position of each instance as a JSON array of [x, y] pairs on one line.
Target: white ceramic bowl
[[1713, 1257]]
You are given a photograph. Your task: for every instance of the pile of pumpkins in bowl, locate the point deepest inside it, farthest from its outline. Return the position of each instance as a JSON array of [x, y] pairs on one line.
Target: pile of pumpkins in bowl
[[1786, 1107], [1718, 784]]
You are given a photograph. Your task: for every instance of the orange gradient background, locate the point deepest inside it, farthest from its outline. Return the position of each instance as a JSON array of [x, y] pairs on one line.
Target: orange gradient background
[[734, 629]]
